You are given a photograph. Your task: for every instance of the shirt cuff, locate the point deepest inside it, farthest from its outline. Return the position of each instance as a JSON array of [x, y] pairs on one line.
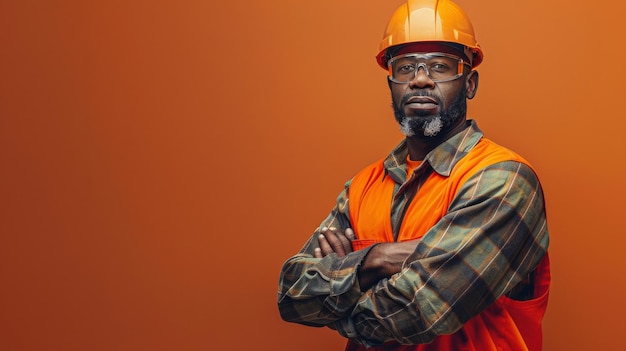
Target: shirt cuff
[[346, 291]]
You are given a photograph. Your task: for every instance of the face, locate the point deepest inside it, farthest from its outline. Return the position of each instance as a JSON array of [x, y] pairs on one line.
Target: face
[[428, 113], [425, 108]]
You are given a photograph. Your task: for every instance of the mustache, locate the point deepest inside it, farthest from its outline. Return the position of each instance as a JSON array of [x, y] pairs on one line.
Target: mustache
[[406, 97]]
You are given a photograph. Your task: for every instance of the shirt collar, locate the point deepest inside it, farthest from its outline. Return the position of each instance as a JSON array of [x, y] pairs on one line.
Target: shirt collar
[[442, 158]]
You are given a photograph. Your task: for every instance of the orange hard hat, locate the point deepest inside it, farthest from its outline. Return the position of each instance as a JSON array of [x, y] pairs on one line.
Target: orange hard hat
[[430, 21]]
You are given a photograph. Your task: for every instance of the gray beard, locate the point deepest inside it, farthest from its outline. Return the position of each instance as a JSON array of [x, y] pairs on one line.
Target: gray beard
[[431, 126]]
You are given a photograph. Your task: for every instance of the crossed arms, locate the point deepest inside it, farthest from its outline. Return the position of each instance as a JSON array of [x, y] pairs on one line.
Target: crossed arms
[[492, 236]]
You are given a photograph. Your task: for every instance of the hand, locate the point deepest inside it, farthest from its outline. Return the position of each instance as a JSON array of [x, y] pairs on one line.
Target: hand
[[334, 240], [383, 261]]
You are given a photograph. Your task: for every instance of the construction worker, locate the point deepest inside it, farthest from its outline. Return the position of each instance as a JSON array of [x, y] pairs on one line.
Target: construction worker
[[441, 245]]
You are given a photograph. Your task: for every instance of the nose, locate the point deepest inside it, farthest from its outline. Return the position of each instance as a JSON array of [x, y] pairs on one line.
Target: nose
[[421, 79]]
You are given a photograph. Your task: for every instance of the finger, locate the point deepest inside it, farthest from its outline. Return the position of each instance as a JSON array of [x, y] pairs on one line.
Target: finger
[[317, 253], [346, 245], [325, 247], [335, 240], [344, 239], [350, 234]]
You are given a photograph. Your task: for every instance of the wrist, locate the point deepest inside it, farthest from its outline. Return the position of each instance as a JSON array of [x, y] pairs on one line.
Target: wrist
[[374, 267]]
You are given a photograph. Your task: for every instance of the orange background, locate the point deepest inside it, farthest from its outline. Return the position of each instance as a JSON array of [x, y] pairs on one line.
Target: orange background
[[160, 159]]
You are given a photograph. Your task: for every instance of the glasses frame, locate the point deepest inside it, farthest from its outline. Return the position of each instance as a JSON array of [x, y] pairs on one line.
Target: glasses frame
[[427, 55]]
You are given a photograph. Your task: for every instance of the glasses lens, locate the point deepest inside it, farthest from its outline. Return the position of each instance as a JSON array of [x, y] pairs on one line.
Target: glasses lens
[[439, 67]]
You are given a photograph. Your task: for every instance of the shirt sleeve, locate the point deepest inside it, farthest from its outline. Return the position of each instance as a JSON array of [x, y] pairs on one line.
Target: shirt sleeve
[[493, 235], [319, 291]]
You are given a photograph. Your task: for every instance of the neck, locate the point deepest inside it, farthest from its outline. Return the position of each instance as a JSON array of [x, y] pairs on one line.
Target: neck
[[419, 145]]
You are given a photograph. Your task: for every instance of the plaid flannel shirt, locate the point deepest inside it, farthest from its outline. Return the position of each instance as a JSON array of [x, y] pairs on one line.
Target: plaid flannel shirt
[[449, 279]]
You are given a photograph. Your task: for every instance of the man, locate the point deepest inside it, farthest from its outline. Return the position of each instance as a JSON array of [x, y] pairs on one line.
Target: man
[[442, 245]]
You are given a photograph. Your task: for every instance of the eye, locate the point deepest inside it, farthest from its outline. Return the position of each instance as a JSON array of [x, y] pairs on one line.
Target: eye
[[439, 67], [405, 69]]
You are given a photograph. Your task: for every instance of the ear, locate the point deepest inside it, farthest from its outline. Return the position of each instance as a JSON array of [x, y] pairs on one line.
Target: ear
[[471, 84]]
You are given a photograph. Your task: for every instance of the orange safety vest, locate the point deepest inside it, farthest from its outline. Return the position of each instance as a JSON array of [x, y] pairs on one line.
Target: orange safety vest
[[507, 324]]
